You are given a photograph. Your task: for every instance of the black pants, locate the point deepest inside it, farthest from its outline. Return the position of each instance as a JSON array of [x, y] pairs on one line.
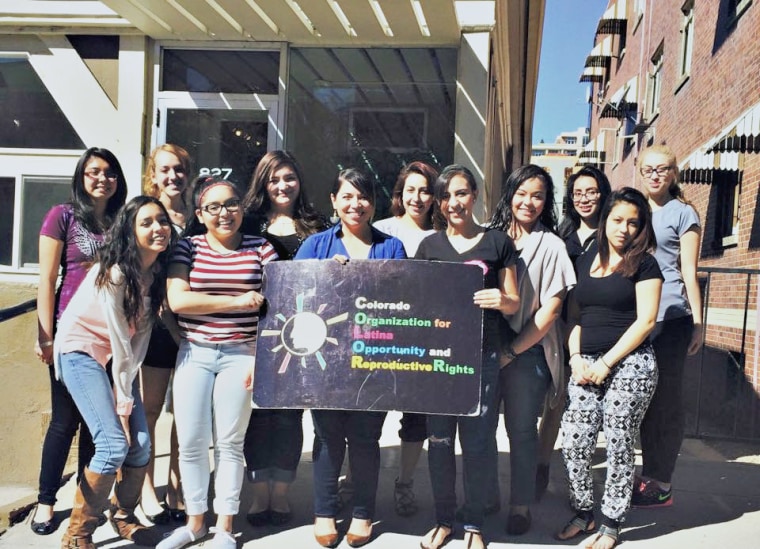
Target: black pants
[[64, 421], [663, 425], [273, 445]]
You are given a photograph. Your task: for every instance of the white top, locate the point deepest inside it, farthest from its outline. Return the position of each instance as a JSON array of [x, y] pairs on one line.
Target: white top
[[408, 235]]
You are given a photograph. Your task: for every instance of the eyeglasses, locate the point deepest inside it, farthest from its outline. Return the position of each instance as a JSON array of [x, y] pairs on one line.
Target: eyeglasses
[[232, 206], [662, 171], [591, 195], [96, 173]]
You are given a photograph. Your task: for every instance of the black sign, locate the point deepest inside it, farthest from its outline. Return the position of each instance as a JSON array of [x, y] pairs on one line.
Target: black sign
[[370, 335]]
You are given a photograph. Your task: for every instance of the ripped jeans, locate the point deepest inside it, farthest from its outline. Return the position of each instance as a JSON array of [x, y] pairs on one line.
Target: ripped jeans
[[474, 435]]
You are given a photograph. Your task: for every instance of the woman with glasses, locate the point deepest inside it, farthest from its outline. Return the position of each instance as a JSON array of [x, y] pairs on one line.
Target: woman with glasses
[[276, 208], [614, 371], [679, 322], [586, 192], [71, 233], [353, 199], [534, 362], [165, 178], [213, 286]]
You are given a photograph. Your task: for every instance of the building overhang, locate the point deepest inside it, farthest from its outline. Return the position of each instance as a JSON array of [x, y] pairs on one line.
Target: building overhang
[[614, 20], [298, 22], [593, 74], [623, 101], [601, 54], [742, 135], [702, 166]]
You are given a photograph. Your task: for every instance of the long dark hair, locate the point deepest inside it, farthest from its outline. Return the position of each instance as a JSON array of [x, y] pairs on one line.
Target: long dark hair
[[199, 186], [502, 217], [442, 186], [421, 168], [256, 203], [643, 241], [120, 248], [84, 211], [572, 219], [357, 180]]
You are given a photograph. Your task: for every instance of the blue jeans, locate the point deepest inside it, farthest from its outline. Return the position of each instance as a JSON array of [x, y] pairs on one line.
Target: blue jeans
[[475, 434], [523, 387], [211, 402], [333, 429], [92, 391]]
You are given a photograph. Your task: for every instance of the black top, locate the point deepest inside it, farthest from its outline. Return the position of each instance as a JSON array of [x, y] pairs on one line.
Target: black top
[[608, 304], [494, 251], [575, 247], [286, 246]]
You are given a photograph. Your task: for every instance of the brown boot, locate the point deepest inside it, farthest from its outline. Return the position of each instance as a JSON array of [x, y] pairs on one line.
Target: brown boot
[[126, 497], [89, 502]]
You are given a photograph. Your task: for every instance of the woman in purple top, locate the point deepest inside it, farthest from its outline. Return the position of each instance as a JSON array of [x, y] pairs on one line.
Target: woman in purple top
[[70, 235]]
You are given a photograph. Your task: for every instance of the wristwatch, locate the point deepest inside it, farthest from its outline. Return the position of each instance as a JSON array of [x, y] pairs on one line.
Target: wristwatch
[[509, 354]]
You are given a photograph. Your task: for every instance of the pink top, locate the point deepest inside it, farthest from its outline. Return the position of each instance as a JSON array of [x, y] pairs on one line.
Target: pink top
[[94, 323]]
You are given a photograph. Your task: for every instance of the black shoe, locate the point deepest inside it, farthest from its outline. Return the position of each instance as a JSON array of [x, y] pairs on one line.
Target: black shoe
[[517, 525], [160, 518], [489, 510], [262, 518], [278, 518], [178, 515], [44, 528]]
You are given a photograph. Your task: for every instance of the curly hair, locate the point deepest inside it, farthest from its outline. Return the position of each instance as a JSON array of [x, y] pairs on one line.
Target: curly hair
[[150, 188], [502, 217], [120, 248]]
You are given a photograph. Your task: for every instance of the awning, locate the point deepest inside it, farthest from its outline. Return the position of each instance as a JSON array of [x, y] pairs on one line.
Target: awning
[[704, 166], [743, 135], [593, 152], [623, 101], [593, 74], [614, 19], [601, 53]]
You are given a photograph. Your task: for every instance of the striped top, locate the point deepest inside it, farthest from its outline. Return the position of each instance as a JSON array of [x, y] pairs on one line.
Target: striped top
[[231, 273]]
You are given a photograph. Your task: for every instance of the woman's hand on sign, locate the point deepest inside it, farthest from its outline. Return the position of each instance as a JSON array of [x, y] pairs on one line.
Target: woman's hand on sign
[[342, 259], [490, 298], [249, 301]]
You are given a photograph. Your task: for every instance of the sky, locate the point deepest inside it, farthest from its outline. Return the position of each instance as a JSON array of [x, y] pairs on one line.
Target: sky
[[569, 27]]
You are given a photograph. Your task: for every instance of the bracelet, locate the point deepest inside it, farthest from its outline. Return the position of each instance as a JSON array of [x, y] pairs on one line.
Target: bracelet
[[45, 344], [572, 355], [601, 359]]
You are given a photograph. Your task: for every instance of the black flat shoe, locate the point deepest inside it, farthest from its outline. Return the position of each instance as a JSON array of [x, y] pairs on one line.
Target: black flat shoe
[[178, 515], [160, 518], [261, 518], [278, 518], [517, 525], [45, 528]]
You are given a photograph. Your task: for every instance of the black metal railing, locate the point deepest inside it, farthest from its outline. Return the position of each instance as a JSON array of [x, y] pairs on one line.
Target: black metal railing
[[719, 396], [12, 312]]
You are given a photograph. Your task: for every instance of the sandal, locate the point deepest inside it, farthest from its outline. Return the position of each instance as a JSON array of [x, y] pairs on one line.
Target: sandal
[[403, 497], [609, 531], [445, 539], [583, 521], [472, 534]]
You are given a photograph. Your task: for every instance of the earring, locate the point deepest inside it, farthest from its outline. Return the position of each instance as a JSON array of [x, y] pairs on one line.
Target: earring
[[334, 219]]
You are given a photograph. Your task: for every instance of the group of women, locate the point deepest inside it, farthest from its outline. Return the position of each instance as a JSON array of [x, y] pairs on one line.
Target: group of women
[[111, 365]]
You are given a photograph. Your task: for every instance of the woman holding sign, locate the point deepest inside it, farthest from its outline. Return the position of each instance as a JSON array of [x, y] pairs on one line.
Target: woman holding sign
[[533, 362], [465, 241], [353, 198]]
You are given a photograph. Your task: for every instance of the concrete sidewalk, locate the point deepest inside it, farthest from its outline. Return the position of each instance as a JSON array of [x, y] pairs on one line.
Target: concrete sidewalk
[[716, 504]]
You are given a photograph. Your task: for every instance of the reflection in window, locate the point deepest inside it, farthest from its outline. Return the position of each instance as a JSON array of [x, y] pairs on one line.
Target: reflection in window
[[39, 195], [222, 71], [655, 84], [374, 109], [7, 198], [728, 188], [31, 117]]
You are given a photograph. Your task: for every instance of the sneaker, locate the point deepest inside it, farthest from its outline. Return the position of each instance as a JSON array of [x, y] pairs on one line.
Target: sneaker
[[648, 494], [180, 537], [222, 539]]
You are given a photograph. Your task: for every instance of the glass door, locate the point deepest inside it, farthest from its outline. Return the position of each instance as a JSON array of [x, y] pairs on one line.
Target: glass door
[[225, 137]]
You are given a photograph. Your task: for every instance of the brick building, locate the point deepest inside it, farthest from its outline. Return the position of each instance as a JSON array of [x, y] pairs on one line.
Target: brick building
[[687, 74]]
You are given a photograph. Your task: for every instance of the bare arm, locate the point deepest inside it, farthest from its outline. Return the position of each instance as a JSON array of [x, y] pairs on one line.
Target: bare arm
[[50, 250], [578, 365], [504, 298], [689, 257], [183, 300], [647, 302]]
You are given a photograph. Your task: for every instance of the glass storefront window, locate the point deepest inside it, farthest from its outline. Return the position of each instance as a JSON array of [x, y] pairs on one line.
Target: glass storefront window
[[221, 71], [39, 194], [30, 117], [374, 109]]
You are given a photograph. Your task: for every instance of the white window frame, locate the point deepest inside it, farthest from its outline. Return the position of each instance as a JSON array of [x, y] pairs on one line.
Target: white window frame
[[655, 84], [687, 40]]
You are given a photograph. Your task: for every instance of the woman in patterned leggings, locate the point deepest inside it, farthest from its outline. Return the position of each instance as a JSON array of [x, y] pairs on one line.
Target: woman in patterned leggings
[[614, 372]]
